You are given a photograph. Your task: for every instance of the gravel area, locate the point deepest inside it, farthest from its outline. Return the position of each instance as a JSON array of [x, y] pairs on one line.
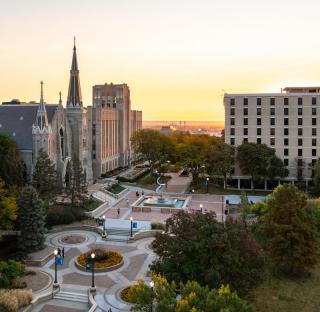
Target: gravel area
[[73, 239], [36, 282]]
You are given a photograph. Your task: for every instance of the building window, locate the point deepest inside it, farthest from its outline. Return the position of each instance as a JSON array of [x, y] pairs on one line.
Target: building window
[[286, 152], [314, 142], [299, 111], [258, 131], [286, 131], [232, 141], [286, 111], [258, 101], [300, 162], [272, 131], [314, 121], [258, 111], [258, 140], [232, 131], [245, 101], [245, 140], [314, 101], [286, 162], [299, 121], [245, 111], [232, 111], [314, 152], [272, 101], [285, 141], [272, 121], [272, 111], [245, 131], [314, 131], [245, 121], [314, 111], [300, 131], [299, 101], [286, 121], [272, 141], [300, 152], [299, 142], [232, 102], [232, 121], [259, 121], [286, 101]]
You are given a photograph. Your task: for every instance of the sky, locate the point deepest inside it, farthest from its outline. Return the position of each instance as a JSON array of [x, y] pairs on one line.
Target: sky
[[178, 56]]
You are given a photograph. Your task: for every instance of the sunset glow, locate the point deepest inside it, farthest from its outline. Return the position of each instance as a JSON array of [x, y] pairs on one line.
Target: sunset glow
[[177, 56]]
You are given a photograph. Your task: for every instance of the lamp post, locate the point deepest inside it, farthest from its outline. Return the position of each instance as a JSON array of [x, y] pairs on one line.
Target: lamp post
[[207, 185], [151, 286], [131, 219], [104, 224], [55, 283], [93, 287], [201, 206]]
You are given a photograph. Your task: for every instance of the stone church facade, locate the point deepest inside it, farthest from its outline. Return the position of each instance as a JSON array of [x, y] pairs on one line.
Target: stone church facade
[[98, 135]]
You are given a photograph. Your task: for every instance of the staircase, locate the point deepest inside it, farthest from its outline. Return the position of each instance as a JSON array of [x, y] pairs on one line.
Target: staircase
[[70, 296], [119, 235]]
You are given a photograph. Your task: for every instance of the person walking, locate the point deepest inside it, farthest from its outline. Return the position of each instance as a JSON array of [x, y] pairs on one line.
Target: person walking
[[127, 201], [118, 211]]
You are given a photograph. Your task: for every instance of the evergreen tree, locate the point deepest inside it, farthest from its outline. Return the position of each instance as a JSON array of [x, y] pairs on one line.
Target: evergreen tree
[[44, 178], [76, 185], [292, 236], [30, 221]]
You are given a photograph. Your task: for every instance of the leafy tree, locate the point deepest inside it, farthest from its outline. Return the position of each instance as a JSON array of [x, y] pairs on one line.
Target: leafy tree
[[316, 177], [8, 208], [12, 168], [291, 231], [30, 221], [259, 161], [244, 208], [76, 186], [44, 177], [197, 247], [152, 145], [220, 161], [192, 298]]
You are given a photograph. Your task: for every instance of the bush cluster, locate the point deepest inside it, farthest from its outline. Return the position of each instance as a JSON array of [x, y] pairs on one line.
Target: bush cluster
[[124, 294], [12, 300], [103, 258], [63, 215], [157, 226], [9, 270]]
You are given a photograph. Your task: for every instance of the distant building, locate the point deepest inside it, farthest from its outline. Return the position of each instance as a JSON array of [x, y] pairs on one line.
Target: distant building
[[168, 129], [99, 135], [289, 122]]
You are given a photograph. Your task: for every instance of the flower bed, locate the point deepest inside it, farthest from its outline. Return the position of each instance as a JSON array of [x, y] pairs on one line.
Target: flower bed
[[124, 294], [105, 260]]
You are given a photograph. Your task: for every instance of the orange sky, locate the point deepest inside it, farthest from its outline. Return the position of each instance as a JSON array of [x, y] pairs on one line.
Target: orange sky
[[177, 56]]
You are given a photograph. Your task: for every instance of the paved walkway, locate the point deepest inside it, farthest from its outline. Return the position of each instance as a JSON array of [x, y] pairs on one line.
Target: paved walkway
[[137, 257]]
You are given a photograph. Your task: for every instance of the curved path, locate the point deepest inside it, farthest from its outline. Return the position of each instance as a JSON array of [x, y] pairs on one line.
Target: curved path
[[137, 257]]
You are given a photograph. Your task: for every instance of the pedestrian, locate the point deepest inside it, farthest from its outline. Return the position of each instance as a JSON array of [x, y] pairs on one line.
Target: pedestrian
[[142, 193], [118, 211], [127, 201], [63, 252], [137, 193]]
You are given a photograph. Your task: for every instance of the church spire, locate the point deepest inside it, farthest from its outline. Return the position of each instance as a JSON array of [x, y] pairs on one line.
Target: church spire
[[42, 118], [74, 92]]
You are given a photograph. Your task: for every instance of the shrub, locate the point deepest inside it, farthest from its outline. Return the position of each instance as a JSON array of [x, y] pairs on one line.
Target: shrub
[[157, 226], [63, 215], [12, 300], [103, 258], [9, 271], [124, 294]]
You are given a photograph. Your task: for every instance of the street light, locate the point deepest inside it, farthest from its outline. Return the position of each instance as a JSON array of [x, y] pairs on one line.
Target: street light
[[207, 185], [104, 224], [201, 206], [55, 283], [92, 263], [131, 219], [151, 286]]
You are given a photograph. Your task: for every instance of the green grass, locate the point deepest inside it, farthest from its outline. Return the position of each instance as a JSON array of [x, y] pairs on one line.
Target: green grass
[[90, 205], [147, 181], [116, 189], [289, 295]]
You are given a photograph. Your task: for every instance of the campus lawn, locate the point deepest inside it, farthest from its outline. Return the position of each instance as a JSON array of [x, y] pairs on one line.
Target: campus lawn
[[289, 295]]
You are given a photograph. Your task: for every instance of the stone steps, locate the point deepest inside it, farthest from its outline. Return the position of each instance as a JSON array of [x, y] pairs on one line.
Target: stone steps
[[70, 296]]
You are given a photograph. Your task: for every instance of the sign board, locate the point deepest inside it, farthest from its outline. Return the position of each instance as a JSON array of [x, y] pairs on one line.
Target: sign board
[[59, 261], [88, 266], [134, 225]]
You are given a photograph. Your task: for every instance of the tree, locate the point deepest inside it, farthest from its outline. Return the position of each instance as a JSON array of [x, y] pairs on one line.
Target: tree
[[12, 168], [292, 243], [259, 161], [76, 186], [316, 177], [192, 298], [220, 161], [44, 178], [8, 208], [152, 145], [30, 221], [197, 247]]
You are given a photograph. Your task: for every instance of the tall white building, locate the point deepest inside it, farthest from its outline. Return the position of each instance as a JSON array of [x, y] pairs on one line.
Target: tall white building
[[288, 121]]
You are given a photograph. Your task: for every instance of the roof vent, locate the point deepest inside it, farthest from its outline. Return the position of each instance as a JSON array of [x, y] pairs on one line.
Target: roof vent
[[21, 117]]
